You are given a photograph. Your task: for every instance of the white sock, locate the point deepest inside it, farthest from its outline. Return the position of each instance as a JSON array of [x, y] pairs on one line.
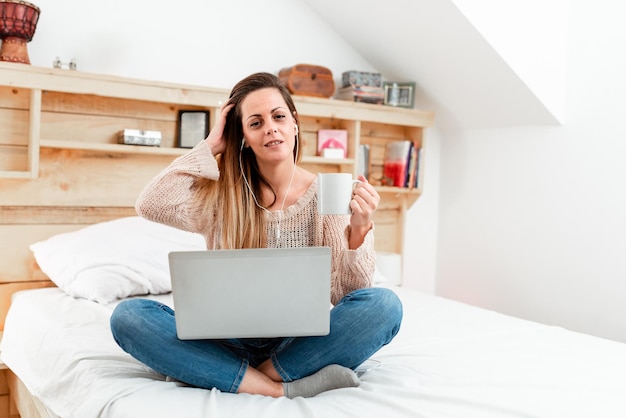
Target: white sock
[[330, 377]]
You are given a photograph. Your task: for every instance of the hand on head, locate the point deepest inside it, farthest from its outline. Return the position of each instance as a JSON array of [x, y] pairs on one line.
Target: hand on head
[[215, 140]]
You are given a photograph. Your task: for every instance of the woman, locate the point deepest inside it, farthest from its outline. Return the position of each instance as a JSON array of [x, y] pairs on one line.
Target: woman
[[242, 188]]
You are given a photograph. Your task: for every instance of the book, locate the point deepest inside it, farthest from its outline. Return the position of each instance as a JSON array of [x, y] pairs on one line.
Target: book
[[364, 94], [363, 161], [413, 170]]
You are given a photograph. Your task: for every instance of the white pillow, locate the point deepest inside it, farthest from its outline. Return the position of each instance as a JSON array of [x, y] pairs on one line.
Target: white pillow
[[115, 259], [378, 276]]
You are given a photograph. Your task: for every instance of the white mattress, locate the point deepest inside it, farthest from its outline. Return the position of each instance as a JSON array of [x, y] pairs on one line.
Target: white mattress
[[448, 360]]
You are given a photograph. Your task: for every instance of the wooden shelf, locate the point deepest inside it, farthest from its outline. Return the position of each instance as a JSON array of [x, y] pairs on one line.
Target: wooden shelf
[[10, 174], [77, 82], [111, 148], [149, 150], [307, 159], [59, 128]]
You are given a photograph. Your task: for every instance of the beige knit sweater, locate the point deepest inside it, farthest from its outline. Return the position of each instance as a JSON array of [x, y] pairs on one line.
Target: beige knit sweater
[[169, 199]]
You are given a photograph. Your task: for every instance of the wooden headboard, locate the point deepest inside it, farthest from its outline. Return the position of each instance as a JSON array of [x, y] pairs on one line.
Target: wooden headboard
[[62, 169], [62, 200]]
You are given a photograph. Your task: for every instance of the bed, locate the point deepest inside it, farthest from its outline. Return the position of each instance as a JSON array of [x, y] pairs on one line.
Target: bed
[[448, 360], [71, 248]]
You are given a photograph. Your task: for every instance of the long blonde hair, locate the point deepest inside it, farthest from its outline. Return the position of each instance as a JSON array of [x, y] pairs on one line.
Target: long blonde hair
[[231, 205]]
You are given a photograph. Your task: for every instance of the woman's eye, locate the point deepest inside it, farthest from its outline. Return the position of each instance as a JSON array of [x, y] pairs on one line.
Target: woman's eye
[[279, 116], [254, 124]]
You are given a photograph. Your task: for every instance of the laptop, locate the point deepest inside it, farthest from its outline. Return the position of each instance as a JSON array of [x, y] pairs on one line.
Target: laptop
[[251, 293]]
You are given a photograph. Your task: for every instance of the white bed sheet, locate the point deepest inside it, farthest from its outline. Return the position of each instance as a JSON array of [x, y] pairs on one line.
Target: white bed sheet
[[448, 360]]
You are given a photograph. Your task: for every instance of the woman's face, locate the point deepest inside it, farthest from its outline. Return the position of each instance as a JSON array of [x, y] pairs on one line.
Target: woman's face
[[268, 126]]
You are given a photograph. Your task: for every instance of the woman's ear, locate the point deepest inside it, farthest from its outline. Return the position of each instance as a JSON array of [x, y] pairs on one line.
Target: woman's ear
[[295, 122]]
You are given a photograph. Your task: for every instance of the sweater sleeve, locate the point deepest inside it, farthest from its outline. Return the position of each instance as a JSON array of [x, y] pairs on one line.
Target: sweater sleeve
[[351, 269], [169, 199]]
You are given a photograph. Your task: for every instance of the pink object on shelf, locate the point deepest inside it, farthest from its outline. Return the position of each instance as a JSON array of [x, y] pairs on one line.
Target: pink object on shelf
[[335, 139]]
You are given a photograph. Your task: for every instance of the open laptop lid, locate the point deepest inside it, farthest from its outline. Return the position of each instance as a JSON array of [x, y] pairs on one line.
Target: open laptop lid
[[251, 293]]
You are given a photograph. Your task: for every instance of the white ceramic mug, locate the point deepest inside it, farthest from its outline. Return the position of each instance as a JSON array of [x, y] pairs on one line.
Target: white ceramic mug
[[334, 193]]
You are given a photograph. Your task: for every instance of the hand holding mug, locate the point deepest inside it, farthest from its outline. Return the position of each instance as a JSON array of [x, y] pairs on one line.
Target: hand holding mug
[[364, 202]]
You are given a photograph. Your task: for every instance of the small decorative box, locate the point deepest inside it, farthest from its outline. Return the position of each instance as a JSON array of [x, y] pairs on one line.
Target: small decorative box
[[361, 78], [308, 80], [139, 137]]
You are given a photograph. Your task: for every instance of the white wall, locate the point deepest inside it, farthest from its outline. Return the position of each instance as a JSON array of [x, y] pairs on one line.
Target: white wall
[[531, 36], [421, 227], [533, 219], [188, 41]]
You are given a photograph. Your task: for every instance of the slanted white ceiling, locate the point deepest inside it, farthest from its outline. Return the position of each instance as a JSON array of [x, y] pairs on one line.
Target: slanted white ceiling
[[459, 74]]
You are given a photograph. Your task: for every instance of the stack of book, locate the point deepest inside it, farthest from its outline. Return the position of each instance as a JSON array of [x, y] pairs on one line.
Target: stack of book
[[358, 86], [363, 94], [401, 164]]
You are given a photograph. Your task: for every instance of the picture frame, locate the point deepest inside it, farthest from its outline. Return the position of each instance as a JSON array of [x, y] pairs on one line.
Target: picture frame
[[193, 127], [399, 94]]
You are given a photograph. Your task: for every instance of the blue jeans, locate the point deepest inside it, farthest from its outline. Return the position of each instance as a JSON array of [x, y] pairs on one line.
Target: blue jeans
[[360, 324]]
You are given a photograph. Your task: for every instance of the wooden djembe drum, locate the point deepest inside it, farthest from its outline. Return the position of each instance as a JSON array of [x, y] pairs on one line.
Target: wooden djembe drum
[[18, 20]]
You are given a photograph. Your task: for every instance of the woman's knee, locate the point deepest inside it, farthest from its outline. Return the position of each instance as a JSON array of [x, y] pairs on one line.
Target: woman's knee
[[122, 317], [379, 302], [125, 310], [129, 316], [389, 303], [374, 311]]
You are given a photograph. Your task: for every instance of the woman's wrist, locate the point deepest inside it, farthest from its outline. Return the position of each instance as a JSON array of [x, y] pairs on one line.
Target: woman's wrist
[[357, 235], [213, 147]]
